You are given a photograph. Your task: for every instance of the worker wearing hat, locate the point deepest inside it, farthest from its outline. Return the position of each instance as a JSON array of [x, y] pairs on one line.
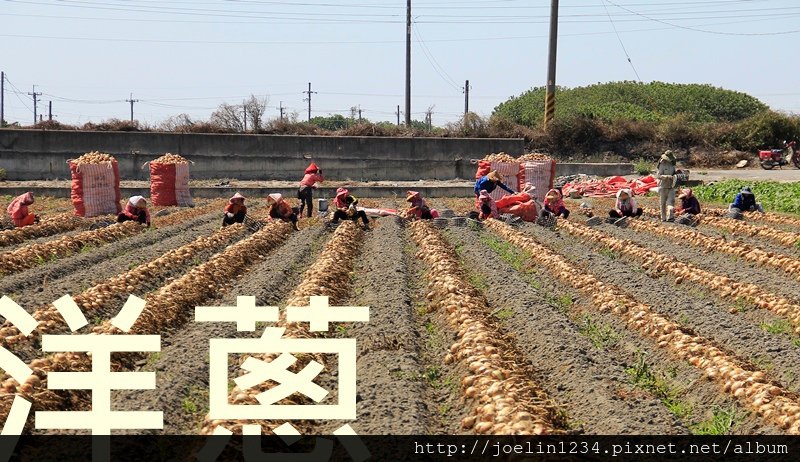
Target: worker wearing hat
[[489, 183], [135, 210], [18, 210], [235, 211], [745, 201], [667, 181], [418, 208]]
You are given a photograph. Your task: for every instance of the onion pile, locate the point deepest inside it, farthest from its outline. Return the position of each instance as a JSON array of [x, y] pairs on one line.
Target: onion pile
[[505, 400], [119, 286], [768, 398], [329, 275], [170, 158], [534, 157], [31, 255], [94, 157], [48, 226], [658, 263], [168, 307], [755, 254], [500, 157]]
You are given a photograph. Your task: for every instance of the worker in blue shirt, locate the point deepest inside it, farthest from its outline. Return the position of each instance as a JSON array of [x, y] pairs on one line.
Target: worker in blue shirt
[[489, 183]]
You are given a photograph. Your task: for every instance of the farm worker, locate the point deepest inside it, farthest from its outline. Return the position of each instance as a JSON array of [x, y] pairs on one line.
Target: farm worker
[[689, 204], [18, 210], [489, 183], [745, 201], [554, 205], [135, 210], [281, 210], [488, 206], [235, 211], [418, 208], [666, 185], [308, 184], [625, 206], [345, 204]]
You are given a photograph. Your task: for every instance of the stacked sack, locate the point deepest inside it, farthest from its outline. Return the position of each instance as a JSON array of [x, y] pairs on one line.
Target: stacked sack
[[508, 168], [95, 185], [169, 181], [538, 170]]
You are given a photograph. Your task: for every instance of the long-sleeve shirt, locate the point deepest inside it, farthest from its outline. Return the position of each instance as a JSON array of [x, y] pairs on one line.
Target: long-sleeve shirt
[[309, 179], [690, 205], [484, 183], [744, 201], [665, 169]]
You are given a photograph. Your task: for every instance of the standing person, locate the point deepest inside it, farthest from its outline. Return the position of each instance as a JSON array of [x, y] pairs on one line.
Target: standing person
[[666, 185], [135, 210], [308, 184], [489, 183], [625, 206], [281, 210], [235, 211], [418, 208], [554, 205], [745, 201], [488, 207], [18, 210], [345, 204]]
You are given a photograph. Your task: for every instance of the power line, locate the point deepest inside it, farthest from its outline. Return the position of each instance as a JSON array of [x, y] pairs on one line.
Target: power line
[[435, 64], [620, 42]]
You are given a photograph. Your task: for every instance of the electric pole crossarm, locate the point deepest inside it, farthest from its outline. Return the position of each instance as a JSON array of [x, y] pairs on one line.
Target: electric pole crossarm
[[35, 101], [309, 93], [131, 100]]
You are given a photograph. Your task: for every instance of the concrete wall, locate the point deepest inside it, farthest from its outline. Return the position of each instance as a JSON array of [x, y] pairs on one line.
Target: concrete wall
[[40, 154], [620, 169]]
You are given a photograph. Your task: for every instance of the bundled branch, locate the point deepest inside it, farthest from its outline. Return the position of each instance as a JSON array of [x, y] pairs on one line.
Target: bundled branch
[[505, 400], [773, 402]]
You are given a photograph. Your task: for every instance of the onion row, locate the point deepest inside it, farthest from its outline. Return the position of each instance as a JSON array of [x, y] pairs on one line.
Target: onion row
[[749, 385], [168, 307], [49, 226], [328, 276], [755, 254], [769, 217], [505, 400], [724, 286], [50, 321]]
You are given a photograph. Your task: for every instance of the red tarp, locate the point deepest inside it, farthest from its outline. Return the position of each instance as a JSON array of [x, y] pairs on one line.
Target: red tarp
[[608, 187]]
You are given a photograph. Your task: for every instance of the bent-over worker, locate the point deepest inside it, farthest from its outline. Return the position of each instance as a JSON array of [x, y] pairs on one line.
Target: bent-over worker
[[281, 210], [489, 183], [418, 208], [18, 210], [488, 207], [235, 211], [554, 205], [746, 201], [345, 204], [625, 206], [135, 210]]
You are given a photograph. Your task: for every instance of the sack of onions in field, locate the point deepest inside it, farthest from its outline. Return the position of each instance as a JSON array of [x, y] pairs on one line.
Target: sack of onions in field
[[538, 170], [506, 166], [169, 181], [95, 185]]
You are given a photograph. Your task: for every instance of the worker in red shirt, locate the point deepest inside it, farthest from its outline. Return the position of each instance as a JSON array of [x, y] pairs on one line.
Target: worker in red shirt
[[18, 210], [308, 184]]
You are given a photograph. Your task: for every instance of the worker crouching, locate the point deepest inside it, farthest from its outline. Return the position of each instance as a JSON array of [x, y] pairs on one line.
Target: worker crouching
[[488, 206], [135, 210], [281, 210], [235, 211], [418, 208], [346, 209], [18, 210], [625, 206]]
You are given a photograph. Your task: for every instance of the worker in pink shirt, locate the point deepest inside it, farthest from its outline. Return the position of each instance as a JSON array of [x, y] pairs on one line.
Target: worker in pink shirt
[[308, 184]]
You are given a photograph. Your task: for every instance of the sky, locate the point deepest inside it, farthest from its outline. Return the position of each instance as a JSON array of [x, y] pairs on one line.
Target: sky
[[189, 56]]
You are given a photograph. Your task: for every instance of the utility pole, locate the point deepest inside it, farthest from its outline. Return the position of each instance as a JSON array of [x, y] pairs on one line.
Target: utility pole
[[309, 93], [429, 117], [281, 108], [50, 111], [359, 113], [398, 115], [34, 94], [466, 97], [2, 99], [244, 110], [408, 64], [550, 95], [131, 100]]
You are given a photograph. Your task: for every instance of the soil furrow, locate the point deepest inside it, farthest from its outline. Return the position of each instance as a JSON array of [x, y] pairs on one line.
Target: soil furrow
[[587, 383]]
